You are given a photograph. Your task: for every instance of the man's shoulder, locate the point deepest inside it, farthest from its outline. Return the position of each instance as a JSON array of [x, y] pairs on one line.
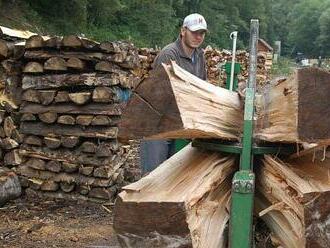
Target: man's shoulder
[[170, 49]]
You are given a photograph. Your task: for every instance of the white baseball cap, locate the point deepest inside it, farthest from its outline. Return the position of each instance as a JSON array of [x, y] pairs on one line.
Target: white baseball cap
[[195, 22]]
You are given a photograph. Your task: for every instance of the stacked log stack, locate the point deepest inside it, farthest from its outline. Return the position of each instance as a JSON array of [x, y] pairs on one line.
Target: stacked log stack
[[11, 56], [147, 57], [73, 93], [216, 59]]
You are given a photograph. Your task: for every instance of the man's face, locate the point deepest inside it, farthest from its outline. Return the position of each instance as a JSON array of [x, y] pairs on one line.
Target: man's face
[[192, 39]]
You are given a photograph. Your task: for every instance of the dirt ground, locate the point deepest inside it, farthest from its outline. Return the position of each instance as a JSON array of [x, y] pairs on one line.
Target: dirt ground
[[56, 223], [42, 222]]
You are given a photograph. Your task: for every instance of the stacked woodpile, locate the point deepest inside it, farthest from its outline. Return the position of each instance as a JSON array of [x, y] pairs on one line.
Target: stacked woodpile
[[146, 56], [11, 55], [73, 94], [185, 200], [216, 59]]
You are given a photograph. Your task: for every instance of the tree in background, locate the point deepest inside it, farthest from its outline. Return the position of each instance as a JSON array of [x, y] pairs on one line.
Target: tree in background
[[301, 25]]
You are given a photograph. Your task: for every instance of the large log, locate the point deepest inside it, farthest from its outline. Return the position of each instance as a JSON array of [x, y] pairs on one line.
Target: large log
[[89, 79], [58, 129], [296, 109], [184, 200], [172, 103], [293, 199]]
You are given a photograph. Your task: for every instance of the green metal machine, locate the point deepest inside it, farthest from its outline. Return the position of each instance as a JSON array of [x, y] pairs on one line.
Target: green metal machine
[[243, 183]]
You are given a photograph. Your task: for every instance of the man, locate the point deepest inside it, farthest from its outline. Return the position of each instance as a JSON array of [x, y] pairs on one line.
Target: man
[[186, 53]]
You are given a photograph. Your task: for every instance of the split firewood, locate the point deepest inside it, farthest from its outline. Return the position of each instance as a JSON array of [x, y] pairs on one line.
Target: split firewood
[[105, 150], [53, 166], [36, 163], [71, 41], [8, 143], [62, 96], [102, 94], [33, 67], [53, 42], [84, 120], [9, 126], [35, 41], [48, 117], [31, 95], [46, 97], [103, 172], [55, 64], [88, 147], [80, 98], [76, 63], [69, 167], [28, 117], [69, 141], [106, 66], [103, 193], [12, 158], [52, 143], [101, 120], [86, 170], [66, 119], [67, 187], [49, 186], [33, 140]]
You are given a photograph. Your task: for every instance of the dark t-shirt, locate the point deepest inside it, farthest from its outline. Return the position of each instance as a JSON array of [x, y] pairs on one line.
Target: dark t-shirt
[[174, 51]]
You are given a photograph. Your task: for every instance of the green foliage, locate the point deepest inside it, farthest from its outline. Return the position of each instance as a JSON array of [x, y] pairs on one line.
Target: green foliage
[[283, 67], [301, 25]]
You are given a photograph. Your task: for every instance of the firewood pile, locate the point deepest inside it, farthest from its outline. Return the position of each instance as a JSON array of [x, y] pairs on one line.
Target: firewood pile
[[216, 59], [11, 55], [73, 93], [146, 56]]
